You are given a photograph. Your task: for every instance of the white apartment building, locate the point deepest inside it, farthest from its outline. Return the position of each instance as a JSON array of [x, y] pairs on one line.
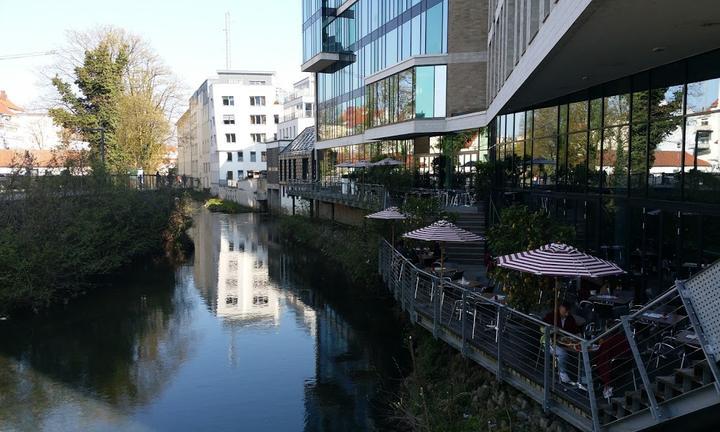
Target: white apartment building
[[298, 109], [221, 137]]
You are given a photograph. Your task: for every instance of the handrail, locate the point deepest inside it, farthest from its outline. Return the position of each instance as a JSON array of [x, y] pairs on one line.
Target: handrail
[[631, 357]]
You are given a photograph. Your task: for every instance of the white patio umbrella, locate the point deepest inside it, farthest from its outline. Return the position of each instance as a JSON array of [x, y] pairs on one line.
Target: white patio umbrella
[[390, 213], [559, 260], [388, 162], [344, 165]]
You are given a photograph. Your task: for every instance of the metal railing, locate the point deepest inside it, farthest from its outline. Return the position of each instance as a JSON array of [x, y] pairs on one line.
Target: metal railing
[[647, 356], [448, 197], [352, 194], [17, 187]]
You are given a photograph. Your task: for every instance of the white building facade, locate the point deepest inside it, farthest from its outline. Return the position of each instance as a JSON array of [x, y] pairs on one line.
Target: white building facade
[[298, 109], [222, 135]]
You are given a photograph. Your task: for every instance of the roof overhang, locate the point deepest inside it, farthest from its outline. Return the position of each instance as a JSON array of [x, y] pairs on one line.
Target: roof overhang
[[328, 62], [603, 40]]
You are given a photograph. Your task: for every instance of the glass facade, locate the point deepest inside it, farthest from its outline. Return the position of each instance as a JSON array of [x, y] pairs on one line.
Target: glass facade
[[633, 164], [380, 33]]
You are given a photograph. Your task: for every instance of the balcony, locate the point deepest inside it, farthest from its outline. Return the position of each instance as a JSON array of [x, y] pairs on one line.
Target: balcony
[[355, 195], [328, 62]]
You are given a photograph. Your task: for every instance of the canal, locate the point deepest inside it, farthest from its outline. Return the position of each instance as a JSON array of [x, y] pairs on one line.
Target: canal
[[247, 336]]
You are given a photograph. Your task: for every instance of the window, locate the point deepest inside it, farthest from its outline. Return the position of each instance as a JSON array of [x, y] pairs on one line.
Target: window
[[229, 157], [257, 82], [240, 156], [258, 119], [257, 100], [229, 174], [258, 137], [240, 174], [253, 157], [230, 138], [277, 118], [228, 100], [263, 157], [229, 119]]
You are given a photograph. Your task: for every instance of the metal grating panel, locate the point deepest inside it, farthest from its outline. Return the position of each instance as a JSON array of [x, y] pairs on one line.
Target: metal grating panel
[[704, 290]]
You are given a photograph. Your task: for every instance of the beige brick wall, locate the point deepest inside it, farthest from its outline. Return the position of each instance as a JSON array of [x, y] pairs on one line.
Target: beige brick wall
[[467, 33]]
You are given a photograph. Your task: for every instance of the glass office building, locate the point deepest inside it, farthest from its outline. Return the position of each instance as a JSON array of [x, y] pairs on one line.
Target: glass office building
[[633, 165]]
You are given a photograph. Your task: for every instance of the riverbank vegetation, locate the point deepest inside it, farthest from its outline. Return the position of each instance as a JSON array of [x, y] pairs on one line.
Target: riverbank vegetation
[[217, 205], [56, 243]]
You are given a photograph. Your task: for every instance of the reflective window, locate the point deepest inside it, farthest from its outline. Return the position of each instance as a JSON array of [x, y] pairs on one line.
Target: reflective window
[[703, 96], [424, 91]]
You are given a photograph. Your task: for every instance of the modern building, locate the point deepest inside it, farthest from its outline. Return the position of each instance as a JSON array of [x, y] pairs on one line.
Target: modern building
[[298, 109], [222, 135], [599, 112]]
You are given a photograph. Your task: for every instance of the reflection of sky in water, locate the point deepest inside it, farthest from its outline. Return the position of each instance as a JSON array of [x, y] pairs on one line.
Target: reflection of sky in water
[[224, 347]]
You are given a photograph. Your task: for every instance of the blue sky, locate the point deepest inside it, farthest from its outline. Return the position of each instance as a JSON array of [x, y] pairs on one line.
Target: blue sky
[[187, 34]]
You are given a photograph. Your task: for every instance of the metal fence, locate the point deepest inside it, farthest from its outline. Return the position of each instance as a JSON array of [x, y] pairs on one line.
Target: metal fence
[[652, 358], [353, 194], [17, 187]]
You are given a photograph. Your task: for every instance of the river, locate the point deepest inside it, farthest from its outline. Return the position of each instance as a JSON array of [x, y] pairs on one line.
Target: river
[[246, 337]]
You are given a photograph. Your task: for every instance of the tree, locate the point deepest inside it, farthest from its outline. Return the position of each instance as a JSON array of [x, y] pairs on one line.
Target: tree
[[99, 82], [520, 230], [145, 96], [142, 133]]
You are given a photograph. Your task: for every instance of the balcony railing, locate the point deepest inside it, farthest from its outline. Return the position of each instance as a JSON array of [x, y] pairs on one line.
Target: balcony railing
[[660, 359], [351, 194]]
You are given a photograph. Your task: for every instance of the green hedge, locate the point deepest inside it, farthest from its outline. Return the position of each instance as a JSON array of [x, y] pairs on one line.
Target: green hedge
[[52, 247]]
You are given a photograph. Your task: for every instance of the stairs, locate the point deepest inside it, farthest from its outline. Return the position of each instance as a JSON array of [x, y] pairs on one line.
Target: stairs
[[469, 253], [664, 388]]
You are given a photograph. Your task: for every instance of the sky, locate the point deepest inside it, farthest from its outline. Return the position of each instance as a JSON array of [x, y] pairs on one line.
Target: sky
[[187, 34]]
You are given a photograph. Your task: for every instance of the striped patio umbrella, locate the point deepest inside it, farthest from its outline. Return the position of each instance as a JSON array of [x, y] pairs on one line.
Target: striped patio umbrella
[[559, 260], [391, 214], [443, 232]]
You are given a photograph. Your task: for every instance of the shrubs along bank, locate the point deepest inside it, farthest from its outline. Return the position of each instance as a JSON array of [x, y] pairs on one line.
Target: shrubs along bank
[[217, 205], [54, 245]]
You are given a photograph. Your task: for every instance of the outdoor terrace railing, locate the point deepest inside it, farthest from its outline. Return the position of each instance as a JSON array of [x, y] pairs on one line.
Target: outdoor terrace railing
[[359, 195], [655, 357]]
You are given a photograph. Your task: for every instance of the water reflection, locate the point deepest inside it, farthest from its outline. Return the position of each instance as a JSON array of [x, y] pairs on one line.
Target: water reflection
[[241, 338]]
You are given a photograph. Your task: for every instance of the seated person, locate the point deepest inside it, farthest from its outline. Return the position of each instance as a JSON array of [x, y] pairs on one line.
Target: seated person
[[566, 322]]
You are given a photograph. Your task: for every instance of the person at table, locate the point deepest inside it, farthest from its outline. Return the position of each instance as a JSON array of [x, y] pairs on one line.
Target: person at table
[[566, 322]]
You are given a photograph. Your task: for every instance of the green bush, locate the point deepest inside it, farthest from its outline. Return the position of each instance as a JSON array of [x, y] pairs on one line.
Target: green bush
[[216, 205], [55, 245], [354, 249], [521, 230]]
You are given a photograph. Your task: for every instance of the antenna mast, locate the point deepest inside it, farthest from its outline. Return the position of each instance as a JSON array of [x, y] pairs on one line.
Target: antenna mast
[[228, 60]]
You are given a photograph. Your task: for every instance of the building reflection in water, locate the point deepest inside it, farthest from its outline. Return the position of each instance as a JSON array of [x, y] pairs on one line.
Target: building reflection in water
[[249, 281]]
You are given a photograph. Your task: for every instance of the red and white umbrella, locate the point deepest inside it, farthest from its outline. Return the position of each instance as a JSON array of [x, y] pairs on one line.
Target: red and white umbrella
[[390, 213], [443, 232], [559, 260]]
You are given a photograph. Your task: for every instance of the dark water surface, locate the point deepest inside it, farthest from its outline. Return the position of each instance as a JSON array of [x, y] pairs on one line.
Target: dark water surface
[[247, 337]]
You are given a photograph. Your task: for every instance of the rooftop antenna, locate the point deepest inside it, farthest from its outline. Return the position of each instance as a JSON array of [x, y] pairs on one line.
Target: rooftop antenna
[[228, 60]]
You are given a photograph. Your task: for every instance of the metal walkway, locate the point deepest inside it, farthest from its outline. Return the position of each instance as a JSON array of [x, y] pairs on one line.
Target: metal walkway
[[661, 360]]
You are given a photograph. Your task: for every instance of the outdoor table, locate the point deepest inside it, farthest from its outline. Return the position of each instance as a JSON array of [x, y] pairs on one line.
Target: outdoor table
[[688, 337], [447, 271], [623, 298], [575, 346], [667, 319]]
